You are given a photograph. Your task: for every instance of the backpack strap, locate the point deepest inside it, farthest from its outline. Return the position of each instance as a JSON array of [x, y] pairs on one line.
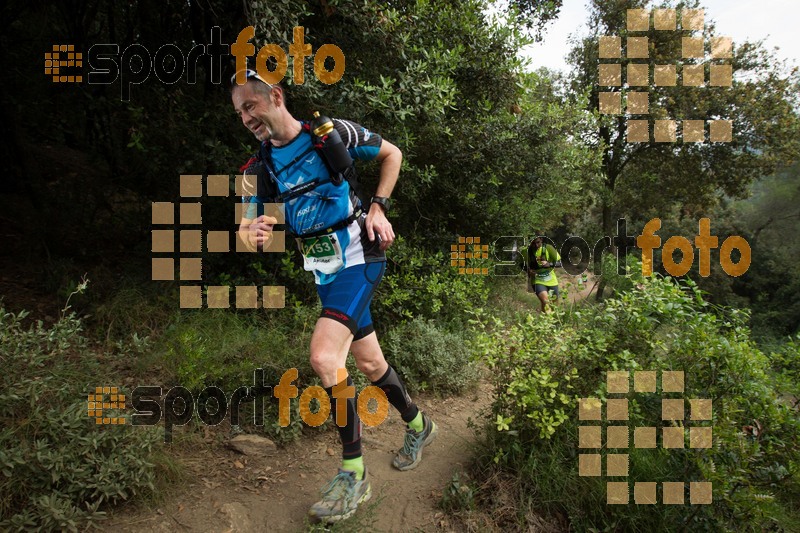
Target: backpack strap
[[545, 255], [349, 174], [336, 227], [272, 177], [269, 180]]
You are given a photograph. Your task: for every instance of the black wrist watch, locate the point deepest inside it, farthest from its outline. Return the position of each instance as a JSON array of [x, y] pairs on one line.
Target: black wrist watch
[[382, 201]]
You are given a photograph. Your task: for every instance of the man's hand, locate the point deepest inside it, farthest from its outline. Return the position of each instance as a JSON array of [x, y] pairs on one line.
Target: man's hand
[[378, 224], [258, 233], [390, 158]]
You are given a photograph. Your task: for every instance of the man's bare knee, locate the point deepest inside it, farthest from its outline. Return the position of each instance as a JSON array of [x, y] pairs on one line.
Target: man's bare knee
[[323, 362]]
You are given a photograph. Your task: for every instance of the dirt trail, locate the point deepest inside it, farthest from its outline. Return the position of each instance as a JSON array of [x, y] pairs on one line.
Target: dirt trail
[[568, 285], [228, 492], [580, 292]]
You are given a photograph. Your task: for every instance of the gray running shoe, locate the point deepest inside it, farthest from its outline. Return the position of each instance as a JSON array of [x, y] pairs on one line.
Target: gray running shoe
[[340, 498], [411, 454]]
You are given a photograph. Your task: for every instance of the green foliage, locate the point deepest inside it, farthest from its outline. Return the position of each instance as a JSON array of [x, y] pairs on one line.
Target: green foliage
[[221, 348], [621, 282], [422, 284], [541, 367], [224, 349], [768, 219], [458, 495], [133, 310], [58, 470], [430, 358], [534, 14], [785, 362]]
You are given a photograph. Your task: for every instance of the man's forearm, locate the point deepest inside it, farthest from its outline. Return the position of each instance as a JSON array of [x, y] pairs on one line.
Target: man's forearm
[[390, 168]]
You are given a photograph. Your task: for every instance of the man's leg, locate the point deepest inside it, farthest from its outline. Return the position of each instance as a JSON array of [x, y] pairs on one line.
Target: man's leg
[[329, 345], [421, 430], [369, 360], [541, 292], [556, 292], [343, 303]]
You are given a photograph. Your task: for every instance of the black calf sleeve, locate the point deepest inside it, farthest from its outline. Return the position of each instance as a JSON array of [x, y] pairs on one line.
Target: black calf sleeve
[[350, 434], [397, 395]]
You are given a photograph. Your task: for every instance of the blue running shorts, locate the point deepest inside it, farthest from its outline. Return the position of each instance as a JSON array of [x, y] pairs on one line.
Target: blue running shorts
[[347, 298]]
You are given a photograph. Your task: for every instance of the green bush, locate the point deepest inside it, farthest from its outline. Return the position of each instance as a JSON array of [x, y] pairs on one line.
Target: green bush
[[542, 367], [223, 348], [130, 308], [58, 470], [785, 361], [420, 284], [429, 357]]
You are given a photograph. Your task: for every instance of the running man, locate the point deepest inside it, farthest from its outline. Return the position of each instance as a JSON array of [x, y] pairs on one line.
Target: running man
[[343, 244], [542, 262]]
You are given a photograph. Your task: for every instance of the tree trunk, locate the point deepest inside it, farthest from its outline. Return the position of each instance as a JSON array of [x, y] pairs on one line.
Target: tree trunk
[[608, 231]]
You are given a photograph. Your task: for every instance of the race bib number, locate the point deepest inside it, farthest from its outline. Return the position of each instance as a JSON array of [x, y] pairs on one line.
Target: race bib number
[[322, 254], [544, 276]]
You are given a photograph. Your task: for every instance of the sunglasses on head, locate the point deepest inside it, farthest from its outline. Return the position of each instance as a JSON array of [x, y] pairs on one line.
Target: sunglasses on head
[[251, 74]]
